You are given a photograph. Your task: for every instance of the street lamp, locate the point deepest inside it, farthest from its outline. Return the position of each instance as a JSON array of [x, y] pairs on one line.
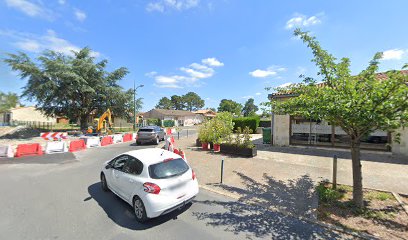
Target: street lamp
[[134, 103]]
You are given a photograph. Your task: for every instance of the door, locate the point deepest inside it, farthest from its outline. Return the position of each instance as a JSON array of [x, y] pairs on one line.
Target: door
[[117, 173], [131, 180]]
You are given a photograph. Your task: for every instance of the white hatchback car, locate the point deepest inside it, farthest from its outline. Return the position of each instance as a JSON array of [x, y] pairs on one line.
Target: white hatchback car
[[153, 181]]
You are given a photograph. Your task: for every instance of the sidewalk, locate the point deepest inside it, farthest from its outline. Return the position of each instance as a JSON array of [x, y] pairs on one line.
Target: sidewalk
[[283, 178]]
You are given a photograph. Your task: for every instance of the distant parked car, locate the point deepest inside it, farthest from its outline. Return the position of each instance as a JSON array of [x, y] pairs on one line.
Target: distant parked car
[[152, 134], [153, 181]]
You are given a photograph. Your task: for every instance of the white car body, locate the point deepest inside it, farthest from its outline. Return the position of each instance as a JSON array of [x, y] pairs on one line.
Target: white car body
[[174, 192]]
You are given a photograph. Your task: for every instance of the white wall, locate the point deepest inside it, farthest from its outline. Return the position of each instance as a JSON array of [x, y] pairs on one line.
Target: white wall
[[281, 130]]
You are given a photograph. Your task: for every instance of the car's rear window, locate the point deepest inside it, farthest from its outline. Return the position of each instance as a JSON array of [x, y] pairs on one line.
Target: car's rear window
[[168, 169], [146, 130]]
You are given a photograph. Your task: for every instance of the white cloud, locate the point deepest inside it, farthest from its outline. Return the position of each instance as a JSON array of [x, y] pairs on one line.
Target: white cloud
[[300, 20], [37, 43], [285, 85], [212, 62], [193, 73], [80, 15], [258, 93], [393, 54], [62, 2], [29, 8], [270, 71], [247, 97], [179, 5]]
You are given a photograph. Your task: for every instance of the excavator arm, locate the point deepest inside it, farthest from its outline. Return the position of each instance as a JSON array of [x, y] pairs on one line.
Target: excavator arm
[[106, 114]]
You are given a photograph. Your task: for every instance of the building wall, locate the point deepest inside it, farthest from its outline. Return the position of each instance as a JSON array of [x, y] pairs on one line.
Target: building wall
[[401, 148], [30, 114], [281, 130]]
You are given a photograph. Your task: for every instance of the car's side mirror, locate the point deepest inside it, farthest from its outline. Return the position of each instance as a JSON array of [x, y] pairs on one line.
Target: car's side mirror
[[108, 166]]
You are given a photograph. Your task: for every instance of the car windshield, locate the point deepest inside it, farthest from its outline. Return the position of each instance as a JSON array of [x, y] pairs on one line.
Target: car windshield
[[168, 169], [146, 130]]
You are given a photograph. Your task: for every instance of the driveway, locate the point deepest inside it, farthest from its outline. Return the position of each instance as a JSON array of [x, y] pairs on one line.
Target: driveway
[[63, 200]]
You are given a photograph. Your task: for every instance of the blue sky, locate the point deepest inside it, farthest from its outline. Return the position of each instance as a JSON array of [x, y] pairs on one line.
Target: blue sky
[[216, 48]]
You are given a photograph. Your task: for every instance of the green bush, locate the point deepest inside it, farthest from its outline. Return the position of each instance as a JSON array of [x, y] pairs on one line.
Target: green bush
[[153, 122], [327, 194], [168, 123], [250, 122]]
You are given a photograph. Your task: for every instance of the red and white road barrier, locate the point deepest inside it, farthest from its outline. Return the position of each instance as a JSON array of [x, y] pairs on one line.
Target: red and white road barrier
[[56, 147], [54, 135], [117, 138], [6, 151], [91, 142]]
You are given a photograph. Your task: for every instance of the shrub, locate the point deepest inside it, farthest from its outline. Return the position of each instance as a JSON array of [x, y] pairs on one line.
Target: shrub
[[328, 195], [168, 123], [250, 122], [217, 129], [153, 122]]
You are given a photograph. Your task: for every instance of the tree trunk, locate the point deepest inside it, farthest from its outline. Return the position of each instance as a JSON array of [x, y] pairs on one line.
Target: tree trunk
[[83, 121], [357, 173]]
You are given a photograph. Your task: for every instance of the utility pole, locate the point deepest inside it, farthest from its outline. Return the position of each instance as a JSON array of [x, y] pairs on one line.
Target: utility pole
[[134, 103]]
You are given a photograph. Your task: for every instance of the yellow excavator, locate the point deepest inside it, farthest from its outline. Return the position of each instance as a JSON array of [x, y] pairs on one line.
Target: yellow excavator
[[101, 125]]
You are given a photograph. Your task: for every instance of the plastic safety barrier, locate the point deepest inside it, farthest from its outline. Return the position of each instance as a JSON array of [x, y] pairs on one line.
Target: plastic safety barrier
[[77, 145], [106, 141], [30, 149], [55, 147], [91, 142], [134, 136], [127, 137], [117, 138], [6, 151]]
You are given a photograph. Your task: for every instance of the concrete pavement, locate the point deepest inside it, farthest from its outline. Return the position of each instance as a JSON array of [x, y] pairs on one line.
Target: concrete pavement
[[63, 200]]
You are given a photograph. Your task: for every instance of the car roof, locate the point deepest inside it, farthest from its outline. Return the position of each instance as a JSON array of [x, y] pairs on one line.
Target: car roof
[[151, 156]]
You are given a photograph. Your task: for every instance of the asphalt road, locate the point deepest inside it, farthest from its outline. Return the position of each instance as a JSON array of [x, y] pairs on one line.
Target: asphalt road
[[61, 198]]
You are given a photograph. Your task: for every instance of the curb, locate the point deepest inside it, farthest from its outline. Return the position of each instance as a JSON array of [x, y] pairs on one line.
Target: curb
[[403, 205], [309, 220]]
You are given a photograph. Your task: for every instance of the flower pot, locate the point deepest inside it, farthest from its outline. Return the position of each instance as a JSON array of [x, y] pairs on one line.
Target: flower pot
[[204, 146], [240, 151], [216, 147]]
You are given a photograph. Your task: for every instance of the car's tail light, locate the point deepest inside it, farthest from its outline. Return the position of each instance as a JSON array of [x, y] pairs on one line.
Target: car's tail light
[[193, 174], [151, 188]]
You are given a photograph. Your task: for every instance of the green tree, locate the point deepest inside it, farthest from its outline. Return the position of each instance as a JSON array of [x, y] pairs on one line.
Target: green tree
[[164, 103], [227, 105], [177, 102], [8, 100], [249, 108], [359, 104], [73, 86], [192, 101]]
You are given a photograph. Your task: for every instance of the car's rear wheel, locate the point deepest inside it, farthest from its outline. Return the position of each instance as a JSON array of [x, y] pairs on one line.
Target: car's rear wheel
[[157, 141], [104, 184], [138, 143], [139, 209]]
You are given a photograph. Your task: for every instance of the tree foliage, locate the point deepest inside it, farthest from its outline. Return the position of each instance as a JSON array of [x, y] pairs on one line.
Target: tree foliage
[[190, 102], [250, 108], [359, 104], [164, 103], [227, 105], [8, 100], [73, 86]]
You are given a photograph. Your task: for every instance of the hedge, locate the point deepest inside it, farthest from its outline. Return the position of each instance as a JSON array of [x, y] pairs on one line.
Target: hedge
[[168, 123], [153, 122], [242, 122], [265, 123]]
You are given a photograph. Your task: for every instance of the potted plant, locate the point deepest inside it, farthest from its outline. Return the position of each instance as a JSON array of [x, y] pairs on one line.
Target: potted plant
[[241, 144], [203, 136]]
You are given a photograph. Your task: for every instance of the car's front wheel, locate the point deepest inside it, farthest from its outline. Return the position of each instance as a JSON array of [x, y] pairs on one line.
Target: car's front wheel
[[157, 141], [139, 209], [104, 184]]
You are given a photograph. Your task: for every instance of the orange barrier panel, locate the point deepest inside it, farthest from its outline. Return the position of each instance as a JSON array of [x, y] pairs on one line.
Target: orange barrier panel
[[127, 137], [106, 141], [77, 145], [28, 149]]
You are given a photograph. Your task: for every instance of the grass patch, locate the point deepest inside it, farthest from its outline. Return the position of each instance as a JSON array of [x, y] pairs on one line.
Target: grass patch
[[327, 194], [382, 196]]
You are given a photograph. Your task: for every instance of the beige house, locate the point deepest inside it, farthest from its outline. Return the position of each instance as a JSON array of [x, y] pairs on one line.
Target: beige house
[[204, 114], [181, 117], [295, 130], [23, 115]]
